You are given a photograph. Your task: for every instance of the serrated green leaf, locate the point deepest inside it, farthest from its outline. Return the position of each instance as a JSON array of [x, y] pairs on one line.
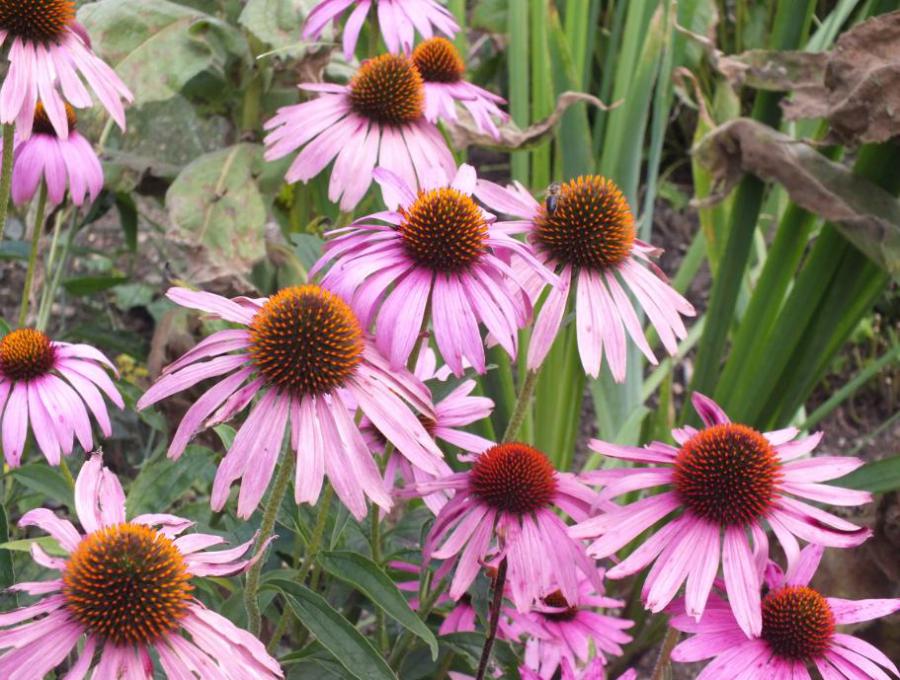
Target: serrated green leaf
[[353, 651], [370, 579], [47, 481]]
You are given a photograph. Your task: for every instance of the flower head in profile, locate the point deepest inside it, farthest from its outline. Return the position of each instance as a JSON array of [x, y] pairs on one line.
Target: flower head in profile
[[398, 20], [798, 632], [505, 506], [303, 352], [60, 162], [442, 70], [595, 670], [124, 589], [445, 260], [585, 232], [49, 387], [720, 488], [558, 630], [375, 119], [50, 59]]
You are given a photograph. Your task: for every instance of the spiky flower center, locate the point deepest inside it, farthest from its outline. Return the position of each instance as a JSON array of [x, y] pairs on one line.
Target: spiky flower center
[[388, 89], [42, 124], [587, 224], [444, 230], [798, 623], [727, 474], [36, 20], [563, 610], [438, 61], [513, 478], [127, 583], [306, 340], [26, 354]]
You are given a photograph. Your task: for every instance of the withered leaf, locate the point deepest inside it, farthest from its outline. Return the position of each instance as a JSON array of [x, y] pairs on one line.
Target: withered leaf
[[867, 215], [465, 133]]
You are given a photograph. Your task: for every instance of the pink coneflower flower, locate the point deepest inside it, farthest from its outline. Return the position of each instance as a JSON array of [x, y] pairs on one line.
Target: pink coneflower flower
[[558, 630], [124, 589], [60, 162], [504, 507], [45, 386], [443, 255], [585, 232], [398, 20], [798, 631], [595, 670], [376, 118], [724, 481], [303, 351], [50, 52], [442, 69]]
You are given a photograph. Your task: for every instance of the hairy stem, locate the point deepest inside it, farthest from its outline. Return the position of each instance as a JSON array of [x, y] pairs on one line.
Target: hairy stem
[[522, 404], [665, 655], [499, 586], [270, 514], [37, 229], [9, 137]]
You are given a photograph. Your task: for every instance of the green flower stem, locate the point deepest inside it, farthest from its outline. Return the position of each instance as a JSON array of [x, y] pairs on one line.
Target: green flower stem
[[37, 228], [66, 473], [377, 557], [499, 586], [9, 138], [270, 514], [522, 405], [665, 655]]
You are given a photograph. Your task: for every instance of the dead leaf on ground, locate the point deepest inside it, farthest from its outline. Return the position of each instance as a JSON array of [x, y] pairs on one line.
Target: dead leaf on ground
[[465, 133], [867, 215]]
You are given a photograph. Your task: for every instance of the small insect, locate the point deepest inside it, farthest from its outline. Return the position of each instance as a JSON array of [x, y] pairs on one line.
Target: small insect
[[553, 197]]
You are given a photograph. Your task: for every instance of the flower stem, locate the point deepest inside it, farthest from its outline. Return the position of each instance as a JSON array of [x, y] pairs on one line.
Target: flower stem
[[522, 404], [270, 513], [499, 586], [9, 137], [37, 229], [66, 473], [665, 655], [377, 558]]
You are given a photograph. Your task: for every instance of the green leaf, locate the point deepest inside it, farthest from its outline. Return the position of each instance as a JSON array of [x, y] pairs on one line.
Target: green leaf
[[50, 545], [88, 285], [7, 574], [370, 579], [353, 651], [275, 22], [470, 644], [158, 47], [217, 215], [161, 482], [880, 476], [47, 481], [128, 218]]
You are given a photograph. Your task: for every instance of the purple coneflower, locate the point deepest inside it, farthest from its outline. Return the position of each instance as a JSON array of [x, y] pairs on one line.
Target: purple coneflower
[[724, 482], [124, 589], [445, 260], [50, 51], [586, 233], [505, 507], [398, 20], [45, 387], [595, 670], [798, 632], [376, 118], [557, 629], [60, 162], [442, 69], [303, 351]]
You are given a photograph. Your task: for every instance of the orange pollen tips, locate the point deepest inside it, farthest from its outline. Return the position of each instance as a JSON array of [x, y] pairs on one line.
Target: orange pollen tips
[[42, 124], [26, 354], [798, 623], [587, 224], [438, 61], [37, 20], [513, 478], [388, 89], [727, 474], [306, 340], [566, 612], [127, 584], [444, 230]]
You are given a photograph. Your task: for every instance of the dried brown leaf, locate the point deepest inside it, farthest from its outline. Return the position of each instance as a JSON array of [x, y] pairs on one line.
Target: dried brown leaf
[[867, 215]]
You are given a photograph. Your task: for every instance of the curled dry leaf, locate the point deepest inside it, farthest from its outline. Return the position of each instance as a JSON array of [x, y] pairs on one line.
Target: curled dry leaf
[[464, 132], [867, 215], [856, 86]]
